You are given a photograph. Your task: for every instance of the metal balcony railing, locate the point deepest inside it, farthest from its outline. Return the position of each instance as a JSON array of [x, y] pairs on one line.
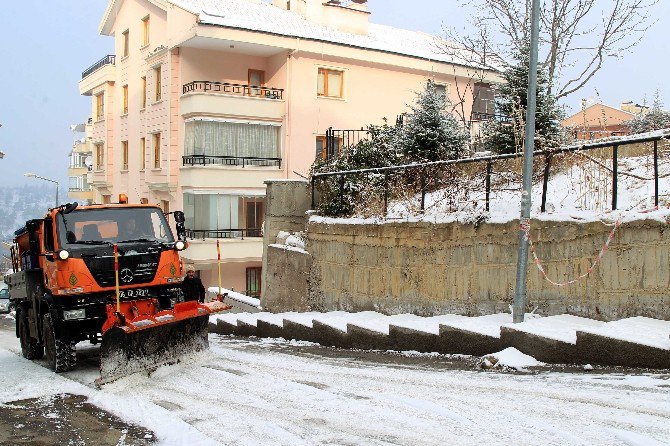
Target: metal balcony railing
[[201, 234], [243, 161], [236, 89], [110, 59]]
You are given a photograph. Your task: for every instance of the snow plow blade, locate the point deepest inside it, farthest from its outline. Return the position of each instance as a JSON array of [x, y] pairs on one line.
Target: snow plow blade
[[148, 342]]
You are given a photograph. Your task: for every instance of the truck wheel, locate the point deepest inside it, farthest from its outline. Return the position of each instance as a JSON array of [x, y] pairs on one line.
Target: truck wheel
[[61, 355], [30, 347]]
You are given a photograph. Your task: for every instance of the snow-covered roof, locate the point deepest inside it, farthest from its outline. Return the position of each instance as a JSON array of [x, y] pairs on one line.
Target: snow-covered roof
[[263, 17]]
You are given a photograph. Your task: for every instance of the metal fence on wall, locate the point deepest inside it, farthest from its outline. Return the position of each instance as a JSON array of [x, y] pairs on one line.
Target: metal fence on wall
[[475, 180]]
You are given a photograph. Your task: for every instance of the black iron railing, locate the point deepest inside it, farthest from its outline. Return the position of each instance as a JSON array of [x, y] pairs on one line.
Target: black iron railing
[[107, 60], [545, 159], [201, 234], [243, 161], [338, 140], [480, 116], [237, 89]]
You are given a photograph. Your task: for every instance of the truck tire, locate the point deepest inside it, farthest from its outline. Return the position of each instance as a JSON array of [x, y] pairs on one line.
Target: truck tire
[[30, 347], [61, 355]]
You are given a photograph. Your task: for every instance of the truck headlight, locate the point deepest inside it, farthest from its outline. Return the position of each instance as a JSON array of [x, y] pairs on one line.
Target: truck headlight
[[179, 246], [63, 254], [69, 315]]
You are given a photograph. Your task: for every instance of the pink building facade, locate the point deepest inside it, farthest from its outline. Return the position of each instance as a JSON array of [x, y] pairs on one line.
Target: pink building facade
[[205, 100]]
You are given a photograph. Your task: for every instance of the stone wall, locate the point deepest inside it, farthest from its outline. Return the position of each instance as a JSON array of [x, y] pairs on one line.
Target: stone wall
[[431, 269], [286, 206]]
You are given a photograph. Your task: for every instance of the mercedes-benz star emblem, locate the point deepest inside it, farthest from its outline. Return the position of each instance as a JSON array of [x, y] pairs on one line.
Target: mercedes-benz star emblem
[[126, 275]]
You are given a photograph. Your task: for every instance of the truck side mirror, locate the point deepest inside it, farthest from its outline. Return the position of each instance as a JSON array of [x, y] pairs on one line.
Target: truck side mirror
[[179, 216]]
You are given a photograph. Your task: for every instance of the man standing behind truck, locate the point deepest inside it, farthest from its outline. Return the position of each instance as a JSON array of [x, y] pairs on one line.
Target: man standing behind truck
[[192, 286]]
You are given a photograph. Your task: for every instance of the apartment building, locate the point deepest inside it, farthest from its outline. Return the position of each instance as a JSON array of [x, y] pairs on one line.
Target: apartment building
[[204, 100], [80, 163]]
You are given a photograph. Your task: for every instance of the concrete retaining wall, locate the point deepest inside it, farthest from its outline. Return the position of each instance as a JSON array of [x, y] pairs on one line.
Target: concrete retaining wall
[[431, 269]]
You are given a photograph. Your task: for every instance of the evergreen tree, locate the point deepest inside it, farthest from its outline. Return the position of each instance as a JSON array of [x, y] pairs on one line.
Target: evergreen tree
[[506, 134], [654, 119], [429, 132]]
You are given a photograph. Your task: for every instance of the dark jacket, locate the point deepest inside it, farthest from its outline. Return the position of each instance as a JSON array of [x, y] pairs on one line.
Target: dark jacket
[[193, 289]]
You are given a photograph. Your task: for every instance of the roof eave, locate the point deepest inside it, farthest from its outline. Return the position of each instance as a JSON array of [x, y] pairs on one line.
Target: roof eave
[[348, 45]]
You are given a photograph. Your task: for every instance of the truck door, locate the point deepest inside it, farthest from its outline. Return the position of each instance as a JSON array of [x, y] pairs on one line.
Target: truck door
[[49, 263]]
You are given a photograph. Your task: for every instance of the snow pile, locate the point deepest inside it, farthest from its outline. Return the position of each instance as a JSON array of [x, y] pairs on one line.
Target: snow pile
[[291, 242], [236, 296], [510, 358]]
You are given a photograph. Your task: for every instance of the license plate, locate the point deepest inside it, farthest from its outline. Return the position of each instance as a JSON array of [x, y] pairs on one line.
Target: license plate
[[133, 293]]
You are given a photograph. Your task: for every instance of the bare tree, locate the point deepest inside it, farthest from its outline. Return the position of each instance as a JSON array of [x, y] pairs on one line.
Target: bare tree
[[576, 35]]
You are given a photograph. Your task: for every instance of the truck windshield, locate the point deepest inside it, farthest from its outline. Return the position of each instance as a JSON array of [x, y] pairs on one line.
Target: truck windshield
[[113, 225]]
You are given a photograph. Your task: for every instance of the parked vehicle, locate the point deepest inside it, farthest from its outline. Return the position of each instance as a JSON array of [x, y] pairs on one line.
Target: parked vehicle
[[6, 305]]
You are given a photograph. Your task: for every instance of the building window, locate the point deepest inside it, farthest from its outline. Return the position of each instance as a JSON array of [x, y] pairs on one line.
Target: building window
[[99, 106], [99, 156], [124, 149], [143, 153], [224, 216], [157, 150], [330, 83], [256, 79], [144, 92], [157, 76], [254, 282], [145, 31], [106, 199], [126, 43], [125, 99], [216, 138], [325, 151]]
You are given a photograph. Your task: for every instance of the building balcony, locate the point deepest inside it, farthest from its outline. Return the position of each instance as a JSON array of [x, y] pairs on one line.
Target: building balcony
[[201, 251], [212, 172], [97, 74], [245, 101]]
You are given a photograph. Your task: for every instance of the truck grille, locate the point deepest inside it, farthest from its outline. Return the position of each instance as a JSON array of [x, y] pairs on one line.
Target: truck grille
[[133, 269]]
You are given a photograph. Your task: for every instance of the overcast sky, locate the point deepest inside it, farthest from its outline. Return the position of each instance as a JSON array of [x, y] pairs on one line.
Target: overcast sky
[[47, 43]]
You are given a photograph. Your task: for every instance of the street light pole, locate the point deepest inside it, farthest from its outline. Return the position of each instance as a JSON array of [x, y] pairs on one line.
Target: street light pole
[[32, 175], [522, 261]]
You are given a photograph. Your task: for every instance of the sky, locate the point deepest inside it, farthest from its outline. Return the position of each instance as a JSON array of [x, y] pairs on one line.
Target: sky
[[47, 44]]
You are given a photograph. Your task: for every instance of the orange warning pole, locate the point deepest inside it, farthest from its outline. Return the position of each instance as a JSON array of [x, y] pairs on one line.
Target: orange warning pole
[[218, 253], [116, 277]]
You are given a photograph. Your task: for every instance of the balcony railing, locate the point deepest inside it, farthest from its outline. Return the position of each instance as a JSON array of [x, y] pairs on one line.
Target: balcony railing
[[202, 234], [237, 89], [80, 189], [107, 60], [244, 161]]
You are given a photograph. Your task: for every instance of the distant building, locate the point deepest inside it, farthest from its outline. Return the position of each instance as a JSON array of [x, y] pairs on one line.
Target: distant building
[[600, 121], [80, 162]]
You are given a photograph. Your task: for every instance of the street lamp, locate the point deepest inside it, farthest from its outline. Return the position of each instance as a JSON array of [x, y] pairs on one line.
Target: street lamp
[[32, 175]]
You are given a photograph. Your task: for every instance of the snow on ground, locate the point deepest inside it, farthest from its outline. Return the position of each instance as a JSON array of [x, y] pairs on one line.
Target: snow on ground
[[640, 330], [252, 392], [579, 193], [562, 327]]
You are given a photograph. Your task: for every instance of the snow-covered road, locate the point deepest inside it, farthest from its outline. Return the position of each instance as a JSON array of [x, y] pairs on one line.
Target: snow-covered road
[[250, 391]]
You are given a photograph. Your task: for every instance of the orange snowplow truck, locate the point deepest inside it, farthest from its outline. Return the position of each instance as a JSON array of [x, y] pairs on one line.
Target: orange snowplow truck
[[109, 274]]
